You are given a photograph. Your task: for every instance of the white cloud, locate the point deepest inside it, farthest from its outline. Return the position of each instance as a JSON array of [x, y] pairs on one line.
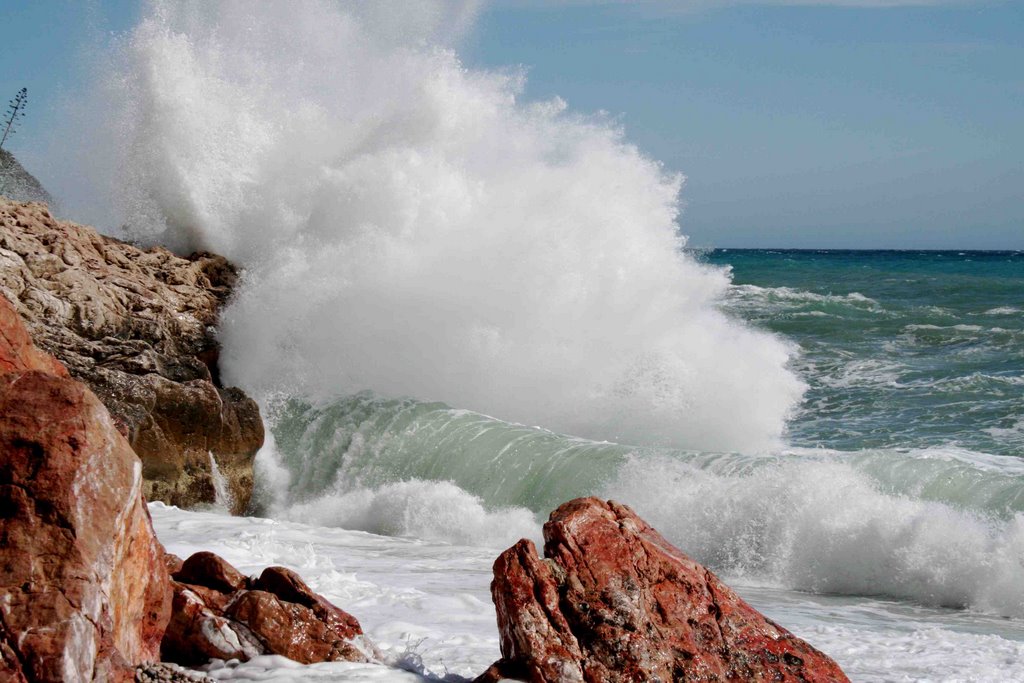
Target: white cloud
[[689, 5]]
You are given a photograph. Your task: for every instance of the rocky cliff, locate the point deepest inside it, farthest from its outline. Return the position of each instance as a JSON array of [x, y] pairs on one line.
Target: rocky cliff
[[18, 184], [137, 326]]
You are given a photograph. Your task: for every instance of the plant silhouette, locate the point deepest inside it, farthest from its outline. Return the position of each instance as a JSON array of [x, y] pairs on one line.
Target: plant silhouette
[[15, 111]]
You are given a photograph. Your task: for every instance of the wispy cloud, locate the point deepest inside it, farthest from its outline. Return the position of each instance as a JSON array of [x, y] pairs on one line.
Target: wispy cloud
[[689, 5]]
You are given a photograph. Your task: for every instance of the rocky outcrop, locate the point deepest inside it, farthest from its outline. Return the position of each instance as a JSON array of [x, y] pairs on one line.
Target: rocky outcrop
[[220, 613], [84, 594], [18, 184], [615, 601], [137, 327]]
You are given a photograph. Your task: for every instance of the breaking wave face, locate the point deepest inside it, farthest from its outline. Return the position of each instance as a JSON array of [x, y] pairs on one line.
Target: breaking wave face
[[409, 226], [940, 526]]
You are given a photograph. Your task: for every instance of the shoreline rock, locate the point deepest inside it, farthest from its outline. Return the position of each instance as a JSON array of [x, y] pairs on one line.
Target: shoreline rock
[[87, 592], [219, 613], [84, 594], [138, 327], [612, 600]]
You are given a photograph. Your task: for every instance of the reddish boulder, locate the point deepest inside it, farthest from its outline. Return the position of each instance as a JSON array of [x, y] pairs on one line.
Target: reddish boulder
[[216, 615], [615, 601], [211, 570], [199, 631], [294, 631], [84, 594], [286, 584], [173, 563]]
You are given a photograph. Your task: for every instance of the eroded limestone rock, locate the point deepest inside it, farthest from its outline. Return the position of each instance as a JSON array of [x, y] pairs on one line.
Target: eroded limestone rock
[[137, 327]]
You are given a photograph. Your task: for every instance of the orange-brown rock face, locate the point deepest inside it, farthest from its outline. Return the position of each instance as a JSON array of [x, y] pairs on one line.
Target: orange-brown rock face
[[84, 594], [137, 327], [17, 352], [219, 613], [615, 601]]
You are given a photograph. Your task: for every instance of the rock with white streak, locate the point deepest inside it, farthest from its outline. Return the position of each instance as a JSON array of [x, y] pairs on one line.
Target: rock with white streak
[[84, 593], [613, 601]]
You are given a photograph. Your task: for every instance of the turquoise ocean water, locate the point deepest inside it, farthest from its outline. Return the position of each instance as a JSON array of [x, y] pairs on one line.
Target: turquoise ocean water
[[908, 349]]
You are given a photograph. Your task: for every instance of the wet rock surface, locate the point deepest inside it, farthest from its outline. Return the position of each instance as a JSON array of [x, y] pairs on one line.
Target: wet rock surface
[[137, 326], [84, 593], [612, 600], [220, 614]]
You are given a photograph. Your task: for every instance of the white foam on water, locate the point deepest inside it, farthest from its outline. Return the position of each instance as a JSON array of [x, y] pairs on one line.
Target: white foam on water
[[791, 296], [429, 510], [941, 526], [427, 605], [822, 526]]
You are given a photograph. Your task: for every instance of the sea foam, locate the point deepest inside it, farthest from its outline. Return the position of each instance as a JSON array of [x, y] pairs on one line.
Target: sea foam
[[940, 526]]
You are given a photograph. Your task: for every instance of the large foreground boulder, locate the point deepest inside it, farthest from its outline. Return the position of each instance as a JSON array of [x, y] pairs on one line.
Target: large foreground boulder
[[219, 613], [137, 327], [615, 601], [84, 594]]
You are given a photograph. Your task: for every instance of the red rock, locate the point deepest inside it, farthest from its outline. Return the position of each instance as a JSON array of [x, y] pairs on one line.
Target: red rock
[[293, 630], [615, 601], [212, 598], [199, 631], [84, 594], [288, 586], [173, 563], [17, 352], [211, 570], [215, 616]]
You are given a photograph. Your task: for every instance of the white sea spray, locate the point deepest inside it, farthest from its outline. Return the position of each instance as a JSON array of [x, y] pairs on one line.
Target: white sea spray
[[412, 226]]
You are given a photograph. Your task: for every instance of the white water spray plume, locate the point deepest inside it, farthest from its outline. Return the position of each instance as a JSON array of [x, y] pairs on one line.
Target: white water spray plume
[[411, 226]]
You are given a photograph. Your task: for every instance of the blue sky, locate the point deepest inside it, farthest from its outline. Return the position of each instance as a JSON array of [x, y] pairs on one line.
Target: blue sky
[[863, 124]]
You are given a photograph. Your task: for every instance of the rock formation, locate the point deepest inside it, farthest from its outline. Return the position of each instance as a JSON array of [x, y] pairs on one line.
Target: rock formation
[[137, 327], [220, 613], [614, 601], [84, 594], [18, 184]]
